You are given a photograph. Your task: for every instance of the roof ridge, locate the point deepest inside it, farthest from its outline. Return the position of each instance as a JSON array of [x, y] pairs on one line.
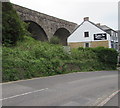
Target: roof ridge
[[98, 27]]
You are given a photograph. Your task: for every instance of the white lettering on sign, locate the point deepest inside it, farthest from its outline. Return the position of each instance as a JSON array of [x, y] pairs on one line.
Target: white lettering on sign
[[100, 36]]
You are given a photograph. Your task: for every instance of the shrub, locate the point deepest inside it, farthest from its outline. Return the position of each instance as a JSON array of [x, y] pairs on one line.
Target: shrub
[[87, 59], [55, 40], [108, 56], [31, 58]]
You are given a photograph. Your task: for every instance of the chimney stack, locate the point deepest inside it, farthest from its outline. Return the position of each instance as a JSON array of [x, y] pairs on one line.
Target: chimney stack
[[86, 19], [98, 24]]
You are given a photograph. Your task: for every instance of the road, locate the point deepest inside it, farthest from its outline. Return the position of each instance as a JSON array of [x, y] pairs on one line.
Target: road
[[113, 101], [74, 89]]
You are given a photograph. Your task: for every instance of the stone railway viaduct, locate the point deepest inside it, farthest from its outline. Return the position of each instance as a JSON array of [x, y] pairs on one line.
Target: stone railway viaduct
[[43, 27]]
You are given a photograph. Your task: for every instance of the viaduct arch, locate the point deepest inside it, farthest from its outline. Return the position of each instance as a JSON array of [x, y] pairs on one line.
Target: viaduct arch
[[46, 26]]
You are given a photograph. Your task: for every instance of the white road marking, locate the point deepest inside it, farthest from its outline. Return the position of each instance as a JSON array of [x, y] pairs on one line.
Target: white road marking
[[108, 98], [23, 94]]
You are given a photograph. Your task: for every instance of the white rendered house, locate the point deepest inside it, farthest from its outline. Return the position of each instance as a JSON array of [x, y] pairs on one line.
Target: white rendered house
[[88, 34]]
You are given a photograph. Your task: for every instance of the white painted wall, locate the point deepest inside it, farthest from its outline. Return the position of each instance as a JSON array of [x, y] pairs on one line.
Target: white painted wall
[[78, 34]]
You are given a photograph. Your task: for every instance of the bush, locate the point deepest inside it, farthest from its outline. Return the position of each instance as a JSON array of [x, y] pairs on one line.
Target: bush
[[87, 59], [55, 40], [107, 56], [31, 58], [13, 29]]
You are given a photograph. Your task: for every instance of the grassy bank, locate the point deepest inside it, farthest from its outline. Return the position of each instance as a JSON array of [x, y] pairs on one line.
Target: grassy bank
[[31, 58]]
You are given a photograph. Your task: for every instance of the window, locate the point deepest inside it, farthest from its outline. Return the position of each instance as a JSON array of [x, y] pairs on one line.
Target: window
[[86, 34], [112, 44], [87, 45]]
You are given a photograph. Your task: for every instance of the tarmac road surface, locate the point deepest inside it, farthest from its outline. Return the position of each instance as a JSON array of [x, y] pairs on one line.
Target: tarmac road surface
[[74, 89]]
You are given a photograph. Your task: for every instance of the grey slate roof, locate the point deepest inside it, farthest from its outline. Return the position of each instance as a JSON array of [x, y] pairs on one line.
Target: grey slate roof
[[102, 27], [99, 27]]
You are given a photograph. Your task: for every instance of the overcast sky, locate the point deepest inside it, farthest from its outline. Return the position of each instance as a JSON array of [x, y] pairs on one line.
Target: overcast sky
[[99, 11]]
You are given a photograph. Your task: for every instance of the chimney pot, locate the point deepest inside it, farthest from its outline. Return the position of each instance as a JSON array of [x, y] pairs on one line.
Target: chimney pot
[[86, 19], [98, 24]]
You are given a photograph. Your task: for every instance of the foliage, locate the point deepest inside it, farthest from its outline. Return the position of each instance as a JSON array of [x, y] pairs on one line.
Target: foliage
[[55, 40], [31, 58], [13, 28], [106, 56]]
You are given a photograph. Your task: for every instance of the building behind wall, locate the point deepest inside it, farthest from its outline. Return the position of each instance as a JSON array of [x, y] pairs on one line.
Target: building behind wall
[[88, 34]]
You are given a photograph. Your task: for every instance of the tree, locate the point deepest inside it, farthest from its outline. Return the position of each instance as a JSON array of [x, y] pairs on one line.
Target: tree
[[13, 29]]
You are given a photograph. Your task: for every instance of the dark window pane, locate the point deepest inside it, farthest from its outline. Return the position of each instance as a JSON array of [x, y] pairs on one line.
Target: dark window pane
[[86, 34], [86, 44]]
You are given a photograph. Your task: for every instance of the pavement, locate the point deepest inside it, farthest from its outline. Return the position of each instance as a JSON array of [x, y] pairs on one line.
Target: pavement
[[74, 89]]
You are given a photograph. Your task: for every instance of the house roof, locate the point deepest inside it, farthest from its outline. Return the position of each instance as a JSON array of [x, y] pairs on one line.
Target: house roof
[[107, 28], [99, 27], [102, 27]]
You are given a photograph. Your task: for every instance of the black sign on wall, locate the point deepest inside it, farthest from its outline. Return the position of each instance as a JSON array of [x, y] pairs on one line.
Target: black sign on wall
[[100, 36]]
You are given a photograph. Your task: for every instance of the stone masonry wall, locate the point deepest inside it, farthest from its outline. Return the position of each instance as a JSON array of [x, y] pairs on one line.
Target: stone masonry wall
[[50, 24], [92, 44]]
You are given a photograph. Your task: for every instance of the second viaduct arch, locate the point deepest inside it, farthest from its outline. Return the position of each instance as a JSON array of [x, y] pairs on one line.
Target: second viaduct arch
[[62, 34], [49, 25]]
